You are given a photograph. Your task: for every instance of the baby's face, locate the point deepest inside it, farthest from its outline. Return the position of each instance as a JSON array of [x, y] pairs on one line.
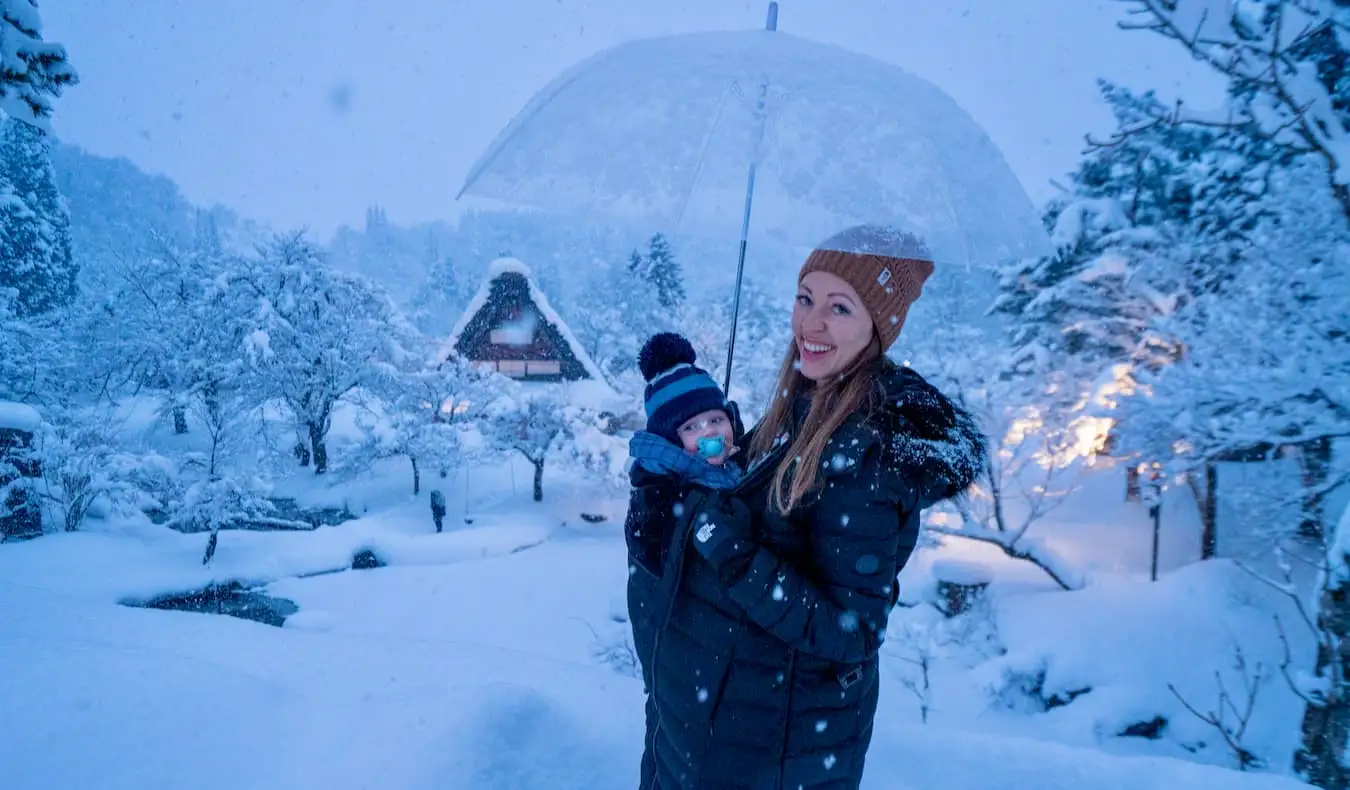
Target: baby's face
[[705, 425]]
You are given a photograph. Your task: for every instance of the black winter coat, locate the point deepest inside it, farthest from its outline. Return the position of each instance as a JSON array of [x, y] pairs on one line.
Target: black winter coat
[[762, 672]]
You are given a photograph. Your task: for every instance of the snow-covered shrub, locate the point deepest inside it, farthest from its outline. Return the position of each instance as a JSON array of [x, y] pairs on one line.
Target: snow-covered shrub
[[79, 463]]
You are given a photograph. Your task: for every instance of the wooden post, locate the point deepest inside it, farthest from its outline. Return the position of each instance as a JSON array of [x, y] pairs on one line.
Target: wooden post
[[1209, 513]]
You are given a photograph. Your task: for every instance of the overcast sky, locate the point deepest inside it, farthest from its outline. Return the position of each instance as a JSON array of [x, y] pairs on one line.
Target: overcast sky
[[305, 112]]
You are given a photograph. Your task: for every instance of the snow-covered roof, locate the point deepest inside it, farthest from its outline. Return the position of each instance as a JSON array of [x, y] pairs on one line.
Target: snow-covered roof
[[19, 417], [515, 266]]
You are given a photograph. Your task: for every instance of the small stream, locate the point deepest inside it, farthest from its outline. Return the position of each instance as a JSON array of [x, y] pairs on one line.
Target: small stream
[[231, 598], [234, 599]]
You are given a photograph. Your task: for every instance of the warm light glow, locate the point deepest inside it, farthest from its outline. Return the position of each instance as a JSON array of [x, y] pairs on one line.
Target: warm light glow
[[449, 406]]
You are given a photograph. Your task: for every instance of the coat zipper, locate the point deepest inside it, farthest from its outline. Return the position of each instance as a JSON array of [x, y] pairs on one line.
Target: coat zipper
[[675, 572]]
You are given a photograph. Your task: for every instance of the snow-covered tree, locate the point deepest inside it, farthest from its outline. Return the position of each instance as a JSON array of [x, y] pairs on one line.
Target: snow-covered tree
[[35, 247], [436, 305], [25, 350], [314, 334], [1321, 758], [430, 415], [1118, 236], [763, 331], [180, 331], [664, 273], [32, 71], [613, 309], [1257, 323], [530, 421], [1036, 449], [1286, 64]]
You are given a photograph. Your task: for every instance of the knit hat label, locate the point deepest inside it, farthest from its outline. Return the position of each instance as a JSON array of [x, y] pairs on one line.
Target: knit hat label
[[884, 277]]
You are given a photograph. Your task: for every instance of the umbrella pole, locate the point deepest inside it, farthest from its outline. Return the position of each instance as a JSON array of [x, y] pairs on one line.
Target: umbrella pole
[[771, 24]]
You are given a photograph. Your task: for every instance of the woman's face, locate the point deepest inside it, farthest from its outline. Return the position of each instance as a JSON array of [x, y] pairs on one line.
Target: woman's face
[[829, 325]]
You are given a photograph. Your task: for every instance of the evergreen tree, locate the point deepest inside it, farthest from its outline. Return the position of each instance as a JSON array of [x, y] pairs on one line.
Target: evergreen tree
[[664, 273], [35, 248], [1091, 303], [1286, 65], [32, 71], [436, 305]]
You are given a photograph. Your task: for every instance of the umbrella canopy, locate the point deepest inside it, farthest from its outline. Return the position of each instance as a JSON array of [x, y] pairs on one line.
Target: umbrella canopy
[[662, 130]]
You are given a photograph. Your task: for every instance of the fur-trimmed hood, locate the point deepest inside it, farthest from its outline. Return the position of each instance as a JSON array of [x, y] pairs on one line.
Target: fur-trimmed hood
[[934, 444]]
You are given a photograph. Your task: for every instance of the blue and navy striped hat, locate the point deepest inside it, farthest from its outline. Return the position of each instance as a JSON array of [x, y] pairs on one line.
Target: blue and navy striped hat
[[676, 388]]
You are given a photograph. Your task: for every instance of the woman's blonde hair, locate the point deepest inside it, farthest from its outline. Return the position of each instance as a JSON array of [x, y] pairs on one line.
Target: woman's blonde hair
[[833, 401]]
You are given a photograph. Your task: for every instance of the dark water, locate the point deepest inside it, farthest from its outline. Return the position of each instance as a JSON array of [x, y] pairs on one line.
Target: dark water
[[231, 598]]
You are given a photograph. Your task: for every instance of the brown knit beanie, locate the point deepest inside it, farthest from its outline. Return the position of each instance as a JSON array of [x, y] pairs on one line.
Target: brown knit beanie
[[885, 265]]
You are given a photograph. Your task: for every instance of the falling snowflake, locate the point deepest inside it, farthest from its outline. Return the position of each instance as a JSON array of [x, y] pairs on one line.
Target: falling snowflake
[[821, 725], [849, 621], [843, 520], [702, 695], [829, 761], [778, 594], [894, 320], [678, 510], [840, 461]]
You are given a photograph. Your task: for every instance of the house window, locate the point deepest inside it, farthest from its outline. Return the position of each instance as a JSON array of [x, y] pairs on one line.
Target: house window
[[485, 363], [517, 330], [543, 367], [515, 368]]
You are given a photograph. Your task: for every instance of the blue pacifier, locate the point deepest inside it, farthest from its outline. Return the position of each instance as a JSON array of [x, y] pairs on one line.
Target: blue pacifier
[[710, 446]]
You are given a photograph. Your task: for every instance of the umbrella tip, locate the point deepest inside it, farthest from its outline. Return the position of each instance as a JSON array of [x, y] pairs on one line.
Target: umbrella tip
[[772, 22]]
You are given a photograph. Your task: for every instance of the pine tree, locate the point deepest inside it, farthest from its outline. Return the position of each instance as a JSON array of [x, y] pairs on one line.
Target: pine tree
[[663, 272], [35, 247], [437, 303], [32, 71], [1286, 65], [1092, 302]]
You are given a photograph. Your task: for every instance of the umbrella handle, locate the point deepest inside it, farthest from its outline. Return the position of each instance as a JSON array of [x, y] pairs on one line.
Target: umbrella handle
[[736, 299]]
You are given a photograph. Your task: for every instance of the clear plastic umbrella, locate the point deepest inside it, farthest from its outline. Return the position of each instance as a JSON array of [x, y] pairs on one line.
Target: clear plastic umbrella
[[688, 132]]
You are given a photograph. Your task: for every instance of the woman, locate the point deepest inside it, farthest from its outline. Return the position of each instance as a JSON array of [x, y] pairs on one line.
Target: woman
[[759, 633]]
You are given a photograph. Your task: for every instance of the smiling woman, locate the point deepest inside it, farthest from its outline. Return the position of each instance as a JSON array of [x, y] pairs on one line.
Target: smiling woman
[[763, 668]]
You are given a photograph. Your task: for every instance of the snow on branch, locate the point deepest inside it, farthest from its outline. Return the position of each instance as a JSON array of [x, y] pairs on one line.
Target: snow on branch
[[1270, 51], [1019, 547]]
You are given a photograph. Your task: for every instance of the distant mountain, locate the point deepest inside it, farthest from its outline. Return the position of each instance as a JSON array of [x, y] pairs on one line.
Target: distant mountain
[[118, 211]]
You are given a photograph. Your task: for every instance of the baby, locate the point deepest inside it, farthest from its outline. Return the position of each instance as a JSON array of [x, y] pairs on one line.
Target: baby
[[688, 444], [689, 423]]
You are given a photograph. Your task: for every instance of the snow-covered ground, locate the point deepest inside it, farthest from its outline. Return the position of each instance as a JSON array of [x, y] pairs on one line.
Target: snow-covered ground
[[492, 656]]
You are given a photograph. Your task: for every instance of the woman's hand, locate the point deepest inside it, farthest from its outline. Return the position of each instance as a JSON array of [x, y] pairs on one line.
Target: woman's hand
[[778, 597], [723, 529]]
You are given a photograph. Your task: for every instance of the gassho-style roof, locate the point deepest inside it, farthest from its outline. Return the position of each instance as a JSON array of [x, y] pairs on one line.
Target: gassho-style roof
[[596, 388]]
